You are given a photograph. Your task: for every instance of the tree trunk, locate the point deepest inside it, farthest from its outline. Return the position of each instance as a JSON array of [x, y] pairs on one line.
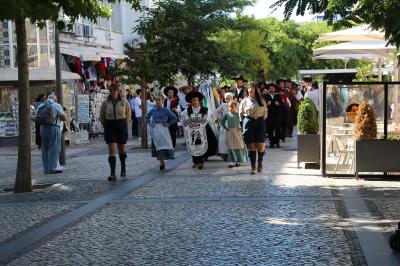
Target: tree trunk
[[144, 113], [23, 180]]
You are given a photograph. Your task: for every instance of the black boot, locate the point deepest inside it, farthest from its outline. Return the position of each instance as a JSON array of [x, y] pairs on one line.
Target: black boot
[[260, 161], [112, 161], [122, 157], [252, 156]]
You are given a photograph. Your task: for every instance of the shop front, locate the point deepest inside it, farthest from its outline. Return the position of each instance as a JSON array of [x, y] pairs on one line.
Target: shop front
[[42, 81]]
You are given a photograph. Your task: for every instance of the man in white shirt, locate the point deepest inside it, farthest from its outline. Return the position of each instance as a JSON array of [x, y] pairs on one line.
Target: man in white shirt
[[138, 111], [240, 90], [313, 94]]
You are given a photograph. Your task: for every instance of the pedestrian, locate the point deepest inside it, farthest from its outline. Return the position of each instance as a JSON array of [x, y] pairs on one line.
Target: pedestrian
[[239, 91], [195, 109], [39, 101], [284, 109], [132, 101], [48, 115], [274, 105], [172, 103], [221, 110], [115, 114], [253, 112], [237, 152], [138, 112], [150, 104], [294, 107], [160, 118], [313, 94]]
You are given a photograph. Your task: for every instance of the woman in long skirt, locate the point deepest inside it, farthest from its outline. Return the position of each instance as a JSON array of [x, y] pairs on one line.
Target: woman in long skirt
[[221, 110], [160, 119]]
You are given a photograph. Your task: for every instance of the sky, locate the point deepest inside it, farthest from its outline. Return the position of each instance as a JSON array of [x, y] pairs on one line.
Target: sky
[[262, 9]]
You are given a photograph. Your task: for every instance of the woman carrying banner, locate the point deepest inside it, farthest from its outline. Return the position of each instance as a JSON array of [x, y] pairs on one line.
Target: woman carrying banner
[[253, 112], [160, 118], [195, 109]]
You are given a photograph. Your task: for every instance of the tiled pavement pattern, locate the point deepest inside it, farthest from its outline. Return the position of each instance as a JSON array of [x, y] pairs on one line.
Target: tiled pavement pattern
[[217, 216]]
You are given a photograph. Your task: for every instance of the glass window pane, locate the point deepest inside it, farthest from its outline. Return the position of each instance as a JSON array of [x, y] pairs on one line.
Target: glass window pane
[[44, 56], [50, 27], [394, 111], [32, 56], [30, 32], [52, 58], [43, 35]]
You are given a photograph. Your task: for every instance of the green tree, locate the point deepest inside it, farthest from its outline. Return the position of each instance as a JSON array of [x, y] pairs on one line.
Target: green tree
[[38, 12], [380, 14], [180, 32], [246, 50]]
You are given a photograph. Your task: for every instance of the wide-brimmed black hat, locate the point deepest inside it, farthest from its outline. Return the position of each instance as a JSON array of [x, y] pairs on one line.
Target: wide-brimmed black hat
[[240, 77], [307, 78], [262, 85], [194, 94], [226, 87], [273, 85], [166, 89], [280, 80]]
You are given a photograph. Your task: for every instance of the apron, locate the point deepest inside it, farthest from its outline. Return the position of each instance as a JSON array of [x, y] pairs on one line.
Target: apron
[[234, 139], [161, 137]]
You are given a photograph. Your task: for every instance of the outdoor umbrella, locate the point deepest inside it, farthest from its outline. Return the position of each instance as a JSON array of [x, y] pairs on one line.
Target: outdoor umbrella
[[360, 33]]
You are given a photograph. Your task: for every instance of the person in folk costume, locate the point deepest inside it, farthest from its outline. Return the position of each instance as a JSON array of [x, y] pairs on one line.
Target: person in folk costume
[[274, 105], [237, 152], [172, 103], [160, 119], [240, 90], [253, 112], [221, 110], [222, 92], [294, 107], [284, 108], [195, 98]]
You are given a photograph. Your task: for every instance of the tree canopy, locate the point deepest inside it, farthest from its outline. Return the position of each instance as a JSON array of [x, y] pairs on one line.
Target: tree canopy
[[178, 32], [380, 14]]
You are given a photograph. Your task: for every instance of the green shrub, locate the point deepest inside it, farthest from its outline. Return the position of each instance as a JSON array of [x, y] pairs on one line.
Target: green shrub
[[307, 117]]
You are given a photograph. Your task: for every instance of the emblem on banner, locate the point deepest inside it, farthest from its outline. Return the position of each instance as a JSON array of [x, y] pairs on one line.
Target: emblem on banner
[[195, 132]]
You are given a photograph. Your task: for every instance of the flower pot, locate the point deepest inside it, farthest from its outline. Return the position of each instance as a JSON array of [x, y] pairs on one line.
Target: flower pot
[[308, 148], [377, 155]]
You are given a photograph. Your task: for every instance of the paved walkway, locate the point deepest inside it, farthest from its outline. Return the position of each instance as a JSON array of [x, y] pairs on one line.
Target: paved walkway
[[184, 216]]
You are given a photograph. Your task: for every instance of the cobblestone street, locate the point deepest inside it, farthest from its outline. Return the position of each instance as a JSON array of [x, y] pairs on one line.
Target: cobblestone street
[[184, 216]]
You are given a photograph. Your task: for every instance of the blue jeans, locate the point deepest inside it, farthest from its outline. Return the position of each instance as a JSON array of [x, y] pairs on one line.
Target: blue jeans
[[51, 139]]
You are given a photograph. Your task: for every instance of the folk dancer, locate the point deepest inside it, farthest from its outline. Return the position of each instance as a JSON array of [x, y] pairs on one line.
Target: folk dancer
[[160, 119], [237, 152], [239, 91], [195, 109], [221, 110], [253, 112], [172, 103], [274, 105]]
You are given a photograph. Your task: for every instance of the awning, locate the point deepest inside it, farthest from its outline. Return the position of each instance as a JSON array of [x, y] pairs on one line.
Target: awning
[[90, 53], [39, 74]]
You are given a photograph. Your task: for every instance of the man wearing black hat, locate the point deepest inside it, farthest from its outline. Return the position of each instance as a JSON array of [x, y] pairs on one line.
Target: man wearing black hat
[[195, 108], [172, 103], [239, 91], [306, 84], [274, 105]]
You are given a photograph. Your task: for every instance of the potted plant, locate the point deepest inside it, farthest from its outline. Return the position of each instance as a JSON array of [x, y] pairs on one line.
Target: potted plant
[[308, 140], [372, 154]]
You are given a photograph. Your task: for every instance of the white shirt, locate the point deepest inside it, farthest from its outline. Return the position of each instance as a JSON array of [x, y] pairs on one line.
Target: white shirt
[[196, 111], [138, 107], [314, 96]]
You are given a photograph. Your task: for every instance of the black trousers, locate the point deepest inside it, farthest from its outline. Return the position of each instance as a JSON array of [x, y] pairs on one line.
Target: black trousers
[[274, 131], [134, 125], [172, 131], [198, 159]]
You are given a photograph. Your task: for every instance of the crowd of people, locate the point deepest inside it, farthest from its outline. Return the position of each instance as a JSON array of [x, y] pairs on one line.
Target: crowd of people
[[237, 128], [245, 117]]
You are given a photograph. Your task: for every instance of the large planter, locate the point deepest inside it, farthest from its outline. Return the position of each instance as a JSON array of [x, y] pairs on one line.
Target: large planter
[[308, 148], [377, 155]]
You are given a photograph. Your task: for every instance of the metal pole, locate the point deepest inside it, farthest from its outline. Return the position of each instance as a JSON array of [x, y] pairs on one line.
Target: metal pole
[[59, 89]]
